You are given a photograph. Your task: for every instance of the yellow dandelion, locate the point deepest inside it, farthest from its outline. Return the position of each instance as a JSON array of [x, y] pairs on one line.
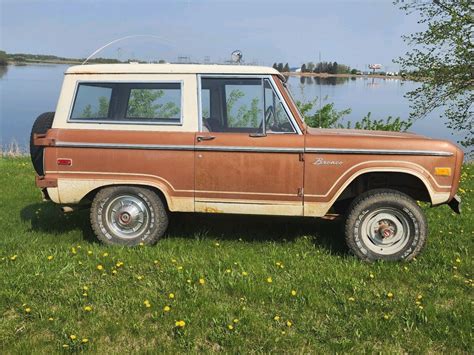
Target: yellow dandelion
[[89, 252], [230, 327], [166, 309], [119, 264], [277, 263], [371, 275], [405, 268], [277, 318], [390, 295], [50, 319], [269, 280], [288, 323], [88, 308], [84, 340], [73, 250], [171, 295], [28, 310], [147, 304], [155, 262], [180, 268], [13, 257], [85, 288], [235, 320], [100, 267], [180, 323], [188, 281], [217, 244], [139, 277], [50, 257], [419, 297], [417, 303], [283, 332], [420, 307], [114, 272], [202, 281], [173, 261], [352, 299], [385, 316], [245, 273], [141, 244], [85, 294], [105, 254], [293, 292], [458, 260], [65, 346], [228, 271], [73, 337]]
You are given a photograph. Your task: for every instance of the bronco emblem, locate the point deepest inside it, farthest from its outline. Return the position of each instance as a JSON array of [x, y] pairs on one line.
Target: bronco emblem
[[321, 161]]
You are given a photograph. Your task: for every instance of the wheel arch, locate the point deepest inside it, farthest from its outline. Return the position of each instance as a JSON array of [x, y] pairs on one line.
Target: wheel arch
[[406, 180], [159, 191]]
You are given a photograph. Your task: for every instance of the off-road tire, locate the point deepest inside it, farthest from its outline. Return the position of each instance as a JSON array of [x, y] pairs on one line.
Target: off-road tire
[[402, 205], [107, 225], [41, 125]]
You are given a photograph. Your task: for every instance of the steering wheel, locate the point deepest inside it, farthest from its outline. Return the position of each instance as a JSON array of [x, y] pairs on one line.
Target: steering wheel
[[269, 113]]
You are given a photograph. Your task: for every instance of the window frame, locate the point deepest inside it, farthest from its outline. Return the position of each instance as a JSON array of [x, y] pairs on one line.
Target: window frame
[[296, 127], [127, 120]]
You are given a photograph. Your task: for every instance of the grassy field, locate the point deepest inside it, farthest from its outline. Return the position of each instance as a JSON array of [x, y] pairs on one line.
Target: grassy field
[[225, 283]]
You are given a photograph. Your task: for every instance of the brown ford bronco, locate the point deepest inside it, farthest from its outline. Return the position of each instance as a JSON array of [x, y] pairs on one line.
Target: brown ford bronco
[[137, 141]]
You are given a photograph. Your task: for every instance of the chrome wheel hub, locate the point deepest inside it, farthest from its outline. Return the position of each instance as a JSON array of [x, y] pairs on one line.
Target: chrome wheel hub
[[385, 231], [127, 216]]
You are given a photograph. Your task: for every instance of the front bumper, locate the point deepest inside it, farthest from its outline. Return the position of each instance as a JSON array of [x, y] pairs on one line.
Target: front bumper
[[455, 204]]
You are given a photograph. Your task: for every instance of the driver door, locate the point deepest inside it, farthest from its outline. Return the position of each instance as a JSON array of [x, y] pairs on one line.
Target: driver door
[[248, 152]]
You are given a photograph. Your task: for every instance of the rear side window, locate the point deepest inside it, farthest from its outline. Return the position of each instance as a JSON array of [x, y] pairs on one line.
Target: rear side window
[[128, 103], [92, 101]]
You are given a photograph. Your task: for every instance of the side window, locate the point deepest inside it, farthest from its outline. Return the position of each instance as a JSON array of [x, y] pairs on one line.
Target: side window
[[244, 105], [128, 102], [155, 102], [232, 105], [92, 102], [276, 118]]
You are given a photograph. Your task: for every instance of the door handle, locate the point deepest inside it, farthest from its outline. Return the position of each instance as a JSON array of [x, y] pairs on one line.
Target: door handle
[[205, 138]]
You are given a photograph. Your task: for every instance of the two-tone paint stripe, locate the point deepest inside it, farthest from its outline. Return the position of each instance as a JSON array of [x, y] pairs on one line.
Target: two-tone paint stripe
[[252, 149]]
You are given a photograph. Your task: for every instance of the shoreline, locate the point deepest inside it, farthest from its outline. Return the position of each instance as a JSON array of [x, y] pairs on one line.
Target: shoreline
[[327, 75], [295, 74]]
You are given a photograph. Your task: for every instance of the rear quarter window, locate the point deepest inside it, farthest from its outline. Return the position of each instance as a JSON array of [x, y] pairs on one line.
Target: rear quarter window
[[155, 103]]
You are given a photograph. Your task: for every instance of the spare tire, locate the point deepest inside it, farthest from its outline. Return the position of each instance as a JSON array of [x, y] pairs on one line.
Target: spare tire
[[42, 123]]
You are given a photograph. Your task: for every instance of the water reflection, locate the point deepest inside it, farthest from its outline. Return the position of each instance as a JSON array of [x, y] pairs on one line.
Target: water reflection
[[3, 70], [330, 80]]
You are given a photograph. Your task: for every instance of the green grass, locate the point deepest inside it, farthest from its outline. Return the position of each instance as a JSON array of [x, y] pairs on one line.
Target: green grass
[[338, 306]]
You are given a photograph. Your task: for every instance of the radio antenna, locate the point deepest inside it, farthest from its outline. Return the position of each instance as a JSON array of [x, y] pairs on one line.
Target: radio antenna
[[121, 39]]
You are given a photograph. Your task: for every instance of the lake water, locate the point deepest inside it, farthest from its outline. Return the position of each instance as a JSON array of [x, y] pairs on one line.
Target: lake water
[[26, 91]]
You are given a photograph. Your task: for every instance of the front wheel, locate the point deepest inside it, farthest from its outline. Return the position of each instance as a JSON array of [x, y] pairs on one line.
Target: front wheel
[[128, 215], [385, 225]]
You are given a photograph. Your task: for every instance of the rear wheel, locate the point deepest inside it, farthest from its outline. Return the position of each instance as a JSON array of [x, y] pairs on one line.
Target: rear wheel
[[128, 215], [385, 225], [42, 123]]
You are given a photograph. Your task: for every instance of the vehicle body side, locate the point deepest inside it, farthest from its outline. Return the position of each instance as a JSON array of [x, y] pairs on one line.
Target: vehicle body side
[[300, 174]]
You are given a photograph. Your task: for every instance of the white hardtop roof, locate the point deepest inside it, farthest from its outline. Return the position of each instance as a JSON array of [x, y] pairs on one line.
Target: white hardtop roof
[[170, 69]]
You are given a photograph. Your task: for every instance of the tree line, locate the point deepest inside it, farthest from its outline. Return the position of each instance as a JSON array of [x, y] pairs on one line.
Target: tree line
[[281, 68], [321, 67]]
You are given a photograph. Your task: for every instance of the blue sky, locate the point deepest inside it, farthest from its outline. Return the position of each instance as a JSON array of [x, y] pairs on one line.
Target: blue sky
[[354, 32]]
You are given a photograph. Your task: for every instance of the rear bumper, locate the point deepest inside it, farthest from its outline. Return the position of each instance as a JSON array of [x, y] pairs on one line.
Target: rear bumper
[[455, 204]]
